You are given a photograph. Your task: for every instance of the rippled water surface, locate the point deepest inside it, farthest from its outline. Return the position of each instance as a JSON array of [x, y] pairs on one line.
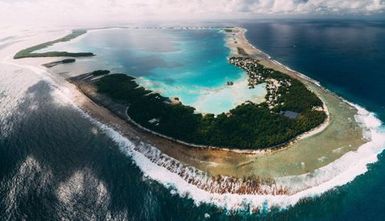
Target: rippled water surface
[[189, 64], [56, 164]]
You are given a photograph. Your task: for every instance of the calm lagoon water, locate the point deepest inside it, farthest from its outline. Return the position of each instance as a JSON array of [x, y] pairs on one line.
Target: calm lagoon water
[[189, 64], [55, 165]]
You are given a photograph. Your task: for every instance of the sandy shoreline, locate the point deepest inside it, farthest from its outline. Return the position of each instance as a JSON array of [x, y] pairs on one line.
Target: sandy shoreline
[[234, 40], [239, 46], [201, 166]]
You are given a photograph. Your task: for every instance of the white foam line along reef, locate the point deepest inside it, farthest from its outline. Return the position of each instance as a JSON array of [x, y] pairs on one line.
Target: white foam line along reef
[[174, 175]]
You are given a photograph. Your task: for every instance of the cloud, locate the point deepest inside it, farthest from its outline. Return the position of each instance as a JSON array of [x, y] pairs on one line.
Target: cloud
[[75, 11]]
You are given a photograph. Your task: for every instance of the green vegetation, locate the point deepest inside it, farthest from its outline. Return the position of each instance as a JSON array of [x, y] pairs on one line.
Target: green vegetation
[[68, 60], [29, 52], [100, 72], [248, 126], [64, 61], [242, 51]]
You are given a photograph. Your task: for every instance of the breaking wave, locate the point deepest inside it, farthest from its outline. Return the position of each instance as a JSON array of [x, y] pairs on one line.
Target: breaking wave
[[337, 173], [190, 182]]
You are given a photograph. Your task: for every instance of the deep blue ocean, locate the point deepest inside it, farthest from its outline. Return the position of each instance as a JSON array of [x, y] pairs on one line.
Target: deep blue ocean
[[56, 165]]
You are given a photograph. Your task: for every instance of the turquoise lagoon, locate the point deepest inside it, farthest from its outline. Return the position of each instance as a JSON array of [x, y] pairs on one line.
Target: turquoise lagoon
[[189, 64]]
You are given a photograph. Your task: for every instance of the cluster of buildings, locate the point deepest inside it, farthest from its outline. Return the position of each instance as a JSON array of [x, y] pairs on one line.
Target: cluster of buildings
[[258, 74]]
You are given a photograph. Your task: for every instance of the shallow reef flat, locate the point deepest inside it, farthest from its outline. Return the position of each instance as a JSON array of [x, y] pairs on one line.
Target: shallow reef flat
[[343, 132]]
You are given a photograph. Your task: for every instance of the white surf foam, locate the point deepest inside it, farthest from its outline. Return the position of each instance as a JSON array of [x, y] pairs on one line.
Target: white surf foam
[[338, 173]]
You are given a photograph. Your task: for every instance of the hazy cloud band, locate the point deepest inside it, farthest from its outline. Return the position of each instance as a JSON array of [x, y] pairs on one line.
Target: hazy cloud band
[[126, 10]]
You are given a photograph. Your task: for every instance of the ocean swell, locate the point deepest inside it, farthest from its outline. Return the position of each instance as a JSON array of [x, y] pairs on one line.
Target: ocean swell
[[286, 191], [236, 194]]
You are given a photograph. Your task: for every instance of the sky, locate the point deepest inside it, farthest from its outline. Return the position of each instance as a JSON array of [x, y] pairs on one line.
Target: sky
[[104, 11]]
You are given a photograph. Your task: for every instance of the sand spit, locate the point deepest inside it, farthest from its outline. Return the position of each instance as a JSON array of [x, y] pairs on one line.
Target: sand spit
[[244, 180]]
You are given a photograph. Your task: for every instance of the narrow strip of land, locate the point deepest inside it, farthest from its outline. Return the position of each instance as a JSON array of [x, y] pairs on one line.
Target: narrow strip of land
[[242, 172], [31, 51]]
